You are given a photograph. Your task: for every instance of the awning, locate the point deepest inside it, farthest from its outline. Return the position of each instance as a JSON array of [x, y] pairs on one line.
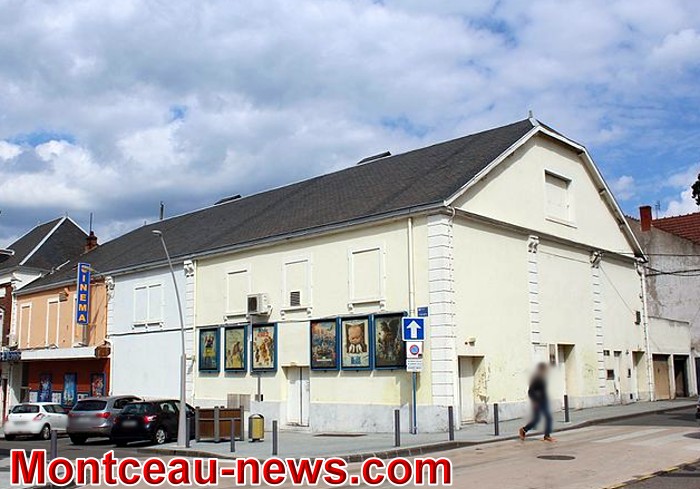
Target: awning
[[81, 352]]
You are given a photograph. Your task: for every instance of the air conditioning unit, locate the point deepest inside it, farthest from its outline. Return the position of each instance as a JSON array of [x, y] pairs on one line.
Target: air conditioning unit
[[259, 304]]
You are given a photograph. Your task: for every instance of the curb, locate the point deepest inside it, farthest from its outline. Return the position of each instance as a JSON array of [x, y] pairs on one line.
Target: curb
[[420, 449], [658, 473]]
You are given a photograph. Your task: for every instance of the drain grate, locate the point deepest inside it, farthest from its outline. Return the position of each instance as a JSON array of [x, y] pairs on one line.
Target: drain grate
[[556, 457]]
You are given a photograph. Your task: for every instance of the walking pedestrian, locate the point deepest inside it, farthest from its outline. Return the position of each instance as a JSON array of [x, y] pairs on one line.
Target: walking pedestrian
[[537, 392]]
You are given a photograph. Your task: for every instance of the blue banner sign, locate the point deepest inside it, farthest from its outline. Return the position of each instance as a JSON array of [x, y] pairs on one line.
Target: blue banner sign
[[10, 356], [82, 310]]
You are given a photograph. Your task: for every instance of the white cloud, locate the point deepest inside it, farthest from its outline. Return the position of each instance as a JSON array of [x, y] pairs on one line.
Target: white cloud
[[684, 204], [624, 188], [9, 151], [678, 49], [683, 201], [277, 91]]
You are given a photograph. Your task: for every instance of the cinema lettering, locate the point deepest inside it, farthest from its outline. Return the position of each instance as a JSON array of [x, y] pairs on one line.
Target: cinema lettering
[[82, 310]]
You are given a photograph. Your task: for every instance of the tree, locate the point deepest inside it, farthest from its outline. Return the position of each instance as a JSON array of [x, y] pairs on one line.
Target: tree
[[696, 190]]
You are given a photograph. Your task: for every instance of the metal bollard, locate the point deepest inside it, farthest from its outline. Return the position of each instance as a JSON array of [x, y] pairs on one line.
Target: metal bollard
[[567, 417], [53, 446], [451, 423], [397, 427], [196, 424], [217, 434], [274, 437], [496, 429], [188, 425], [233, 434]]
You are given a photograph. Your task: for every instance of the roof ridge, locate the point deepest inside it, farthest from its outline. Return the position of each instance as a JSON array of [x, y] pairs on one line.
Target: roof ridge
[[43, 240], [25, 234], [679, 215]]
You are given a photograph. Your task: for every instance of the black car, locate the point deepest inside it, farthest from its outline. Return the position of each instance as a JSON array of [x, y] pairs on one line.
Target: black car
[[156, 421]]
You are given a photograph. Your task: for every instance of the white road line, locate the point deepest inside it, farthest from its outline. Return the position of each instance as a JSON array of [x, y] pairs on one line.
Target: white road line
[[655, 442], [629, 436]]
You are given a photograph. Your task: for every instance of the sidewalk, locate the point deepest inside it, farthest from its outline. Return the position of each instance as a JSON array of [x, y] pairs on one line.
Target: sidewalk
[[357, 447]]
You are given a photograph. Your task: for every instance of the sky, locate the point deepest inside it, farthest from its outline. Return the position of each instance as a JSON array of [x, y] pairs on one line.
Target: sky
[[112, 107]]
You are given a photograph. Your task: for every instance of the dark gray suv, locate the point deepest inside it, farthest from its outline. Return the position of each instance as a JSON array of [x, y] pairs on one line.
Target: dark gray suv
[[93, 417]]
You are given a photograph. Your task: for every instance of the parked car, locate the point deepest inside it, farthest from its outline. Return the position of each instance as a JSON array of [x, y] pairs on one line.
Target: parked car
[[93, 417], [36, 419], [156, 421]]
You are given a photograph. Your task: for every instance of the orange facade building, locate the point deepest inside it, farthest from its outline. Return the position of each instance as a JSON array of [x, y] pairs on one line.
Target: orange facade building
[[61, 360]]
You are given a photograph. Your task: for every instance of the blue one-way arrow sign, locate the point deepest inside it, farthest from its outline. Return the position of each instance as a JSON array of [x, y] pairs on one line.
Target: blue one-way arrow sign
[[413, 329]]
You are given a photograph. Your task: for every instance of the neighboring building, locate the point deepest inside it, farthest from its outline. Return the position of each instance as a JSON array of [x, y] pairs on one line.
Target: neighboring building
[[135, 289], [61, 360], [44, 248], [672, 247], [509, 240]]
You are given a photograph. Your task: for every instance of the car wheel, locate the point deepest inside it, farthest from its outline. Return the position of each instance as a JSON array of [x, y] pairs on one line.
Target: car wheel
[[77, 440], [160, 436], [45, 433], [9, 437]]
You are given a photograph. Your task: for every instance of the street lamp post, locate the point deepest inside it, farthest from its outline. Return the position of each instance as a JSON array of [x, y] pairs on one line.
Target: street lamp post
[[182, 421]]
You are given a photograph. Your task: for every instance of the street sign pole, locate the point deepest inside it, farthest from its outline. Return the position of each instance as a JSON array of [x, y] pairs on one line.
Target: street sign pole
[[413, 333], [414, 425]]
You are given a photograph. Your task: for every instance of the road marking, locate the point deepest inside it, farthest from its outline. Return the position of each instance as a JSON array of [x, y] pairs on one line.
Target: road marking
[[629, 436], [654, 442]]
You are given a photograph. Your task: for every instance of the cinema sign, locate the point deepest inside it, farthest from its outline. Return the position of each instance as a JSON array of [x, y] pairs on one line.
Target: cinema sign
[[82, 310]]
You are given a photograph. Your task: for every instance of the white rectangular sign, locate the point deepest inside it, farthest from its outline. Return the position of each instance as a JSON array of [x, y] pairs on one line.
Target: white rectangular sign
[[414, 364]]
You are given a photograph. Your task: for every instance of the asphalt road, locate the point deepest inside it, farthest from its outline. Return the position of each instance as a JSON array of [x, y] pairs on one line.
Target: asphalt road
[[687, 477]]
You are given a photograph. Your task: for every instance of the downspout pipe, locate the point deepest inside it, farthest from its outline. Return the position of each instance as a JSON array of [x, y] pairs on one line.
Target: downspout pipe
[[645, 324], [411, 269]]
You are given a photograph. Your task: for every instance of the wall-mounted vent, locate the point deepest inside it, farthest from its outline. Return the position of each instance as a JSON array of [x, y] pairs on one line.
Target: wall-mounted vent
[[637, 317], [374, 157], [295, 298]]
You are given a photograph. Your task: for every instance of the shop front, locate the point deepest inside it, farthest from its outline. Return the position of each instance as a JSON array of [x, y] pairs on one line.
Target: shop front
[[64, 381]]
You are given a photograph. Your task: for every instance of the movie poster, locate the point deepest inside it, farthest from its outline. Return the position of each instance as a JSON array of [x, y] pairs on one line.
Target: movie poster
[[324, 345], [355, 343], [235, 349], [97, 385], [44, 394], [265, 347], [389, 348], [209, 350], [70, 390]]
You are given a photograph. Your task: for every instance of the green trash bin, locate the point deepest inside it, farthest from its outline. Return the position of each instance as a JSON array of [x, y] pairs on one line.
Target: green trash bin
[[256, 427]]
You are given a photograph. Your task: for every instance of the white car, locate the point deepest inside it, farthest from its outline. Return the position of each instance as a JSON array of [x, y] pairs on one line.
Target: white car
[[35, 418]]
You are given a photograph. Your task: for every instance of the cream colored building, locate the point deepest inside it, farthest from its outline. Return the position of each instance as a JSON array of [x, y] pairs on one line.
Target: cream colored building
[[525, 258]]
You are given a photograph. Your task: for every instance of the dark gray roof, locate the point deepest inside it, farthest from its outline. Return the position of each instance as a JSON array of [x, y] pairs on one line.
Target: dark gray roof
[[61, 240], [414, 179]]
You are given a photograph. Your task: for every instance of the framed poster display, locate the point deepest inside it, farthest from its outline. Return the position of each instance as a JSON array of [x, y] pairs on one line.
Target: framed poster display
[[209, 350], [264, 348], [235, 350], [389, 348], [324, 345], [355, 343]]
